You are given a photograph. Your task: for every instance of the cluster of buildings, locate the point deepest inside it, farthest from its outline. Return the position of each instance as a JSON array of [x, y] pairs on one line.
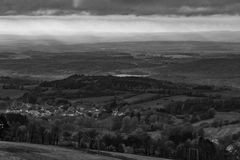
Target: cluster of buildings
[[36, 110]]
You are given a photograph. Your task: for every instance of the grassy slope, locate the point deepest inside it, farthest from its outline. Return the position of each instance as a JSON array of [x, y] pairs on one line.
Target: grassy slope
[[23, 151], [221, 116], [132, 156], [225, 130], [221, 132]]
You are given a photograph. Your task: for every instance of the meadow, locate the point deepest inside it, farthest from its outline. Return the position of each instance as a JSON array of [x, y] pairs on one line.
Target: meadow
[[24, 151]]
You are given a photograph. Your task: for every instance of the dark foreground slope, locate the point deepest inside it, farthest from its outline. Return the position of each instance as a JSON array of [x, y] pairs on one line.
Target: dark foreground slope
[[23, 151]]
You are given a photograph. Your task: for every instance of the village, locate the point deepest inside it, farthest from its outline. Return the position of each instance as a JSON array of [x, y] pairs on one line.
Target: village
[[46, 110], [38, 111]]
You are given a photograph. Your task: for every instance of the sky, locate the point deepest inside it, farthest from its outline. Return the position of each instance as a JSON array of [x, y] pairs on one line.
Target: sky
[[122, 7], [117, 20]]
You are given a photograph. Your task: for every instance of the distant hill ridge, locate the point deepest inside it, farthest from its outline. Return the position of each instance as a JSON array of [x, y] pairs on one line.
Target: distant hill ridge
[[111, 82]]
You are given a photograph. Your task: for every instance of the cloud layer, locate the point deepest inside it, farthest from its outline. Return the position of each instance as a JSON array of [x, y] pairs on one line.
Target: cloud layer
[[128, 27], [137, 7]]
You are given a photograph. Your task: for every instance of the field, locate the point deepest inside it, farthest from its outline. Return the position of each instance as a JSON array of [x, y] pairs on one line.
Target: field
[[229, 125], [160, 102], [223, 117], [222, 132], [12, 93], [16, 151], [190, 62], [141, 98]]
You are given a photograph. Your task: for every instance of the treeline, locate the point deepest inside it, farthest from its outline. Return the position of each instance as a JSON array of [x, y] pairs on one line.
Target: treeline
[[110, 82], [17, 81], [114, 134], [201, 105], [122, 84], [80, 86]]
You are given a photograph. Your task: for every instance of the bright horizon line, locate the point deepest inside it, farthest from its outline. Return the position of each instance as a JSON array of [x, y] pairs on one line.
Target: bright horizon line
[[115, 26]]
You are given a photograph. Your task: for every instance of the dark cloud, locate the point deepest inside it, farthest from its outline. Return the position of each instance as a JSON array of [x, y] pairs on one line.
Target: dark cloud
[[138, 7]]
